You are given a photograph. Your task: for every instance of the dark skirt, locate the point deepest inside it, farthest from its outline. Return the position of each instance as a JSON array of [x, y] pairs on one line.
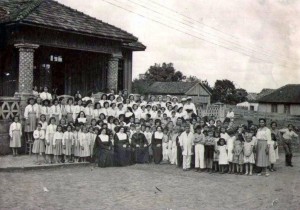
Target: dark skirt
[[157, 154], [123, 156], [141, 155], [179, 156], [209, 152], [105, 158]]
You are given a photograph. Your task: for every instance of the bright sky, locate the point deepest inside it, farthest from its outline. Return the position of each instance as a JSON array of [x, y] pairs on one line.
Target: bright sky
[[254, 43]]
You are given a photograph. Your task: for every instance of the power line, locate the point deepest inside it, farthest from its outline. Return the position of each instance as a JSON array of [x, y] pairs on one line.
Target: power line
[[166, 25], [185, 16], [200, 32]]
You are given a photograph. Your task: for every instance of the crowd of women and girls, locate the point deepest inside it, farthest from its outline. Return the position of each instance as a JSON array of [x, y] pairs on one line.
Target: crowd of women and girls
[[122, 129]]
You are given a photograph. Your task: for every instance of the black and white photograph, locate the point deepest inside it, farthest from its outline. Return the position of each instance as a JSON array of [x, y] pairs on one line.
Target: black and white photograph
[[150, 104]]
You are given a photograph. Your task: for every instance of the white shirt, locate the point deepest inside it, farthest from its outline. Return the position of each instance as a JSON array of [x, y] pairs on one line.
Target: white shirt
[[39, 134], [187, 142], [68, 135], [28, 109], [15, 127], [45, 96], [287, 134]]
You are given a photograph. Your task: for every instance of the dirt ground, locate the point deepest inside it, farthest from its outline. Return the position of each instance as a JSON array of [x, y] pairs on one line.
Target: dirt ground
[[149, 187]]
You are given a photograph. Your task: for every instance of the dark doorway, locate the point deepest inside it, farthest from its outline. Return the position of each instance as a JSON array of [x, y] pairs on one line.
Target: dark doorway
[[58, 78]]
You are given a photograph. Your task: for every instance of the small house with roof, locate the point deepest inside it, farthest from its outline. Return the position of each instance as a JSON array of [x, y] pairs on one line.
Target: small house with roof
[[284, 100], [200, 93], [43, 42]]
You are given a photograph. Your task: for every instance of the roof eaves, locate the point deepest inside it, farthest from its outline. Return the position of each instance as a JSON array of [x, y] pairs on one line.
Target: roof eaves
[[74, 31]]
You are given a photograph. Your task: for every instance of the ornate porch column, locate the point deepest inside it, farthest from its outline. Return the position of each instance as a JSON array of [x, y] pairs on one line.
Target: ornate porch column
[[25, 81], [112, 74], [26, 58]]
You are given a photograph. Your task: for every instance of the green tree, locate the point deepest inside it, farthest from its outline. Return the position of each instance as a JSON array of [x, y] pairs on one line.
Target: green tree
[[224, 91], [163, 73]]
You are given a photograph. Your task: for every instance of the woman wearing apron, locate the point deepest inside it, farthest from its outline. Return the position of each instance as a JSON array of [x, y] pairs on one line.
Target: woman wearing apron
[[263, 136], [30, 115], [122, 148]]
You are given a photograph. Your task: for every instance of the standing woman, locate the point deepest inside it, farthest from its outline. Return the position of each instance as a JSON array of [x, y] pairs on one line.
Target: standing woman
[[46, 109], [276, 138], [50, 131], [263, 136], [122, 148], [15, 133], [30, 116], [103, 145], [89, 111], [157, 144], [70, 111], [55, 110], [97, 111]]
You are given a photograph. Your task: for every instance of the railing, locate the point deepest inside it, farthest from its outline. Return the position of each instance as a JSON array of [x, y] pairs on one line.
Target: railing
[[9, 107], [212, 111]]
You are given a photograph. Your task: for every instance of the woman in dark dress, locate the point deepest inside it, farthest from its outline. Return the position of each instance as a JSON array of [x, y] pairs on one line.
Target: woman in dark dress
[[122, 148], [140, 145], [104, 146], [157, 144]]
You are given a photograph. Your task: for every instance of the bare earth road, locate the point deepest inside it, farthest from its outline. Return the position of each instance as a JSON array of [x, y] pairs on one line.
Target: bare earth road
[[148, 187]]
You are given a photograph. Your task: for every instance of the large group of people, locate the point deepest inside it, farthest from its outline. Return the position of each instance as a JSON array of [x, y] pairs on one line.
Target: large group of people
[[121, 129]]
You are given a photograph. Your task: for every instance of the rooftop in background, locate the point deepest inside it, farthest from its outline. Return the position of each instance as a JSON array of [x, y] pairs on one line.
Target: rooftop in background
[[173, 88], [56, 16], [288, 94]]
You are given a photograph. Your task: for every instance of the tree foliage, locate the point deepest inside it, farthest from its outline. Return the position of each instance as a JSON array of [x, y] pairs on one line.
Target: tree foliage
[[163, 73], [225, 91]]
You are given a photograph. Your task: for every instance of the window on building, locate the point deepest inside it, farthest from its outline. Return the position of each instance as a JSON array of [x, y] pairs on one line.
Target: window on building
[[287, 109], [251, 108], [274, 108]]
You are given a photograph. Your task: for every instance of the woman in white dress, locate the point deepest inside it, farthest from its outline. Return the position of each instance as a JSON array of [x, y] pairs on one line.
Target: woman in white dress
[[15, 133]]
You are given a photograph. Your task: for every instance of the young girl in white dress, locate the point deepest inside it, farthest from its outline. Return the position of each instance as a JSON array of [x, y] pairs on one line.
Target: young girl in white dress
[[67, 143], [77, 149], [50, 131], [39, 143], [223, 155], [15, 133], [57, 143], [248, 153], [84, 144]]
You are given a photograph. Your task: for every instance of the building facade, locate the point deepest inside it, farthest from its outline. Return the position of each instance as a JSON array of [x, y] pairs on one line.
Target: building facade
[[46, 43]]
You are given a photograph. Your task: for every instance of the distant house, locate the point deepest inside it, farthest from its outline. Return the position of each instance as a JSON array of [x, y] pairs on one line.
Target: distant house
[[251, 103], [200, 93], [285, 100]]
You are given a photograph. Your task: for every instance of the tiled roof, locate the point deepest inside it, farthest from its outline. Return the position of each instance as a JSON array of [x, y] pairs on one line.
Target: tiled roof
[[286, 94], [134, 46], [172, 88], [54, 15]]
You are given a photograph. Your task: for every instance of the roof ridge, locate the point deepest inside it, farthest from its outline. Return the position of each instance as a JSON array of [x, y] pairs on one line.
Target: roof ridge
[[94, 18], [26, 11]]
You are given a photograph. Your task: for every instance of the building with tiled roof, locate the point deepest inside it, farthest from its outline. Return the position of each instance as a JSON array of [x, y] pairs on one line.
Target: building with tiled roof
[[282, 100], [200, 93], [43, 42]]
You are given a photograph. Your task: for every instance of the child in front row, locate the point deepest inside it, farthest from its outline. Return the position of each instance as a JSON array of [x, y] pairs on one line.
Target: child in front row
[[39, 143], [84, 144], [57, 144], [50, 131], [248, 153], [68, 142], [223, 155]]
